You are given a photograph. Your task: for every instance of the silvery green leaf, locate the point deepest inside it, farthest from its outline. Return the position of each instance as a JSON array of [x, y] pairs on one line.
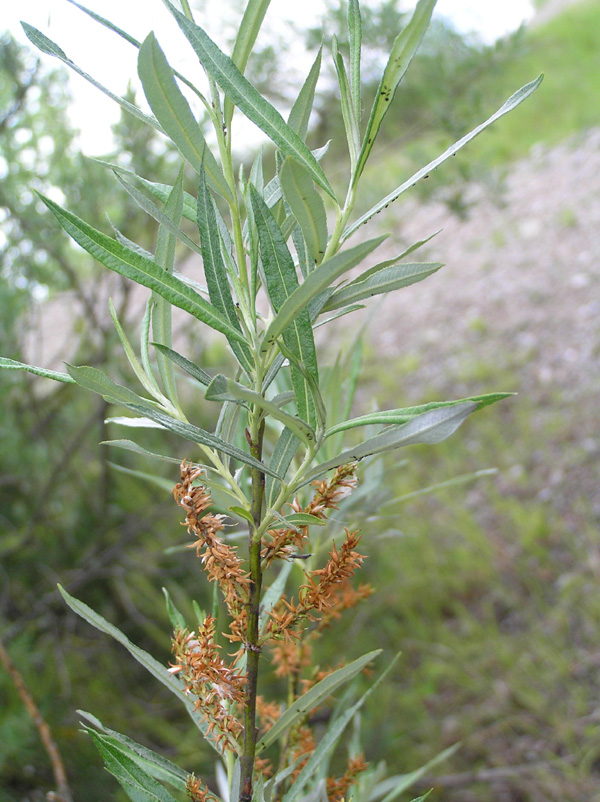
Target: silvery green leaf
[[144, 271], [387, 417], [283, 454], [156, 765], [46, 45], [254, 14], [315, 283], [404, 48], [391, 788], [194, 370], [195, 434], [158, 481], [134, 423], [513, 101], [312, 698], [307, 207], [223, 389], [429, 427], [355, 35], [136, 782], [389, 262], [248, 99], [281, 281], [348, 110], [160, 216], [383, 281], [158, 670], [129, 445], [98, 382], [215, 271], [174, 114], [300, 114], [11, 364]]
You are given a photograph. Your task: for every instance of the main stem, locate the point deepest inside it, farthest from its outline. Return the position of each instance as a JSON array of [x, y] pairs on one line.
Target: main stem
[[252, 626]]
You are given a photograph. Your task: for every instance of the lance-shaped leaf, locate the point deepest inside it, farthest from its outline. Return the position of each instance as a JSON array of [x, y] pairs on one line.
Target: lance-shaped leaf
[[161, 217], [387, 280], [174, 114], [312, 698], [513, 101], [122, 260], [315, 283], [98, 382], [129, 445], [147, 381], [348, 111], [136, 782], [256, 108], [11, 364], [197, 435], [194, 370], [46, 45], [394, 261], [404, 48], [327, 743], [281, 281], [161, 311], [430, 427], [355, 35], [158, 670], [156, 765], [223, 389], [387, 417], [254, 14], [215, 270], [307, 207], [283, 454], [300, 114]]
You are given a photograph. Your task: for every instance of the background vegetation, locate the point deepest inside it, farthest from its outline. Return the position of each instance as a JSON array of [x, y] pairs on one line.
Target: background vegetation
[[491, 592]]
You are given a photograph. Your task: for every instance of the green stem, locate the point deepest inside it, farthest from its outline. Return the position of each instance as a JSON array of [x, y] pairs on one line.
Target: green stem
[[257, 429]]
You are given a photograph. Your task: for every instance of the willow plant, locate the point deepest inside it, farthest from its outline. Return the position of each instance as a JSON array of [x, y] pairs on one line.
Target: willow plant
[[285, 451]]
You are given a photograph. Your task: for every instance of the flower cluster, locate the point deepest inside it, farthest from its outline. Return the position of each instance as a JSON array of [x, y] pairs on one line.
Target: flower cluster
[[220, 560], [337, 789], [197, 791], [216, 684]]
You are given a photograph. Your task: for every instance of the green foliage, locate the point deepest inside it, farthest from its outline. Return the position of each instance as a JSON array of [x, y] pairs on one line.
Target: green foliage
[[260, 455]]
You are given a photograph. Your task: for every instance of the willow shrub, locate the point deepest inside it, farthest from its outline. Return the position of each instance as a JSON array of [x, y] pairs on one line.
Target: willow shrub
[[257, 492]]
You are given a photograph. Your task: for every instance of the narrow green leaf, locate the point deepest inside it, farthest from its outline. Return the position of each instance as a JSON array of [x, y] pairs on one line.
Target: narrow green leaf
[[119, 258], [174, 114], [175, 617], [11, 364], [304, 519], [307, 207], [513, 101], [389, 417], [355, 35], [312, 698], [147, 382], [151, 478], [318, 281], [348, 110], [254, 14], [300, 114], [346, 311], [331, 737], [196, 372], [404, 48], [196, 435], [240, 512], [134, 423], [137, 784], [161, 311], [98, 382], [248, 99], [129, 445], [152, 209], [429, 427], [49, 47], [158, 670], [281, 281], [223, 389], [397, 785], [283, 454], [383, 281], [158, 766], [216, 272], [389, 262]]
